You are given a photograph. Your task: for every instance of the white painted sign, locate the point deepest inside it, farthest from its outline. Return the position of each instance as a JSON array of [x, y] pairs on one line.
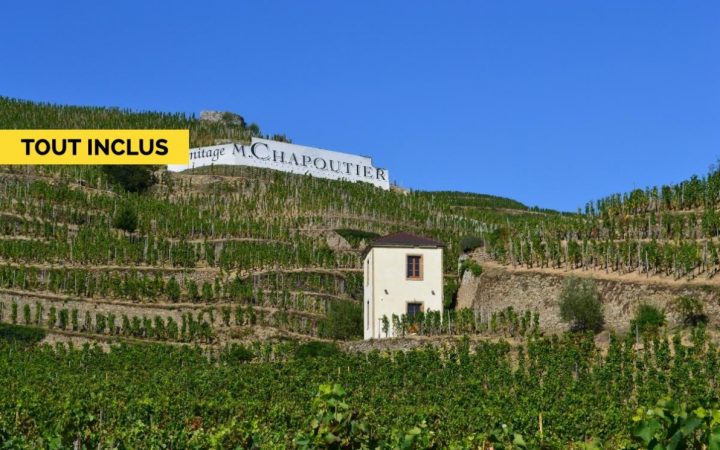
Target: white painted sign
[[289, 158]]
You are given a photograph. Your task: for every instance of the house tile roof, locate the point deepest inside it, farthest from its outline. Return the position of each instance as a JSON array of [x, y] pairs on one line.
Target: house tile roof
[[403, 239]]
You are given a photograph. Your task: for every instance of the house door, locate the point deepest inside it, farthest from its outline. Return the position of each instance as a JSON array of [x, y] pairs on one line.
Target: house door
[[412, 309]]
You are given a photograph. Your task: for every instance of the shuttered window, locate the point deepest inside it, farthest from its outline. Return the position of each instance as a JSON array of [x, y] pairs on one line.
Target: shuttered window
[[412, 309], [414, 267]]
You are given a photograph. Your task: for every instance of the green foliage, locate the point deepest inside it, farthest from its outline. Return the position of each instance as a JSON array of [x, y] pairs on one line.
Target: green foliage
[[314, 349], [172, 289], [450, 290], [135, 178], [21, 334], [126, 219], [463, 395], [236, 353], [648, 319], [333, 424], [472, 200], [504, 438], [385, 325], [580, 305], [473, 266], [23, 114], [470, 243], [207, 291], [691, 310], [670, 425], [343, 320], [192, 290]]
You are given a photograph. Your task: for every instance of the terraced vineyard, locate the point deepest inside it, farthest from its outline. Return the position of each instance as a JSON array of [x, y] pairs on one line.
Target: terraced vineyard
[[217, 254], [668, 231], [257, 267]]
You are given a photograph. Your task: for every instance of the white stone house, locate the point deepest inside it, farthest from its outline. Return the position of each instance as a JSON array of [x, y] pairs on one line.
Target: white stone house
[[403, 274]]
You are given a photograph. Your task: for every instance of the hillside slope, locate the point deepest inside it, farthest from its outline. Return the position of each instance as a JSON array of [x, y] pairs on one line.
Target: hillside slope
[[219, 253]]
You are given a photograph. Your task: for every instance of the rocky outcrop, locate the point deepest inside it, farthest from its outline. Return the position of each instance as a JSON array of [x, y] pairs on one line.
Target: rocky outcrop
[[226, 117], [499, 287]]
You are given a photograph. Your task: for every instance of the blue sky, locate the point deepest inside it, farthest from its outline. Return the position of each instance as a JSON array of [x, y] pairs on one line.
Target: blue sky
[[553, 103]]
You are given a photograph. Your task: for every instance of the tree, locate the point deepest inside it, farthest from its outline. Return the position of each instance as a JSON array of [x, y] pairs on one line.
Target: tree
[[342, 321], [580, 305], [134, 178], [126, 219]]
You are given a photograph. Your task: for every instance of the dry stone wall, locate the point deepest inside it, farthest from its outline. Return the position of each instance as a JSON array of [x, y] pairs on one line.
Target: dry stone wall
[[498, 287]]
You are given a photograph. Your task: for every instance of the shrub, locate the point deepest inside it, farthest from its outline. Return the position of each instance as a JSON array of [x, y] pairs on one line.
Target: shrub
[[236, 353], [126, 219], [473, 266], [22, 334], [131, 178], [316, 349], [342, 321], [450, 290], [580, 305], [648, 318], [470, 243], [690, 310]]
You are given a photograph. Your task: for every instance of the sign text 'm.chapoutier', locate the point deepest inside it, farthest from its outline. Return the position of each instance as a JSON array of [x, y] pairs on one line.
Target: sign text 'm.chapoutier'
[[289, 158]]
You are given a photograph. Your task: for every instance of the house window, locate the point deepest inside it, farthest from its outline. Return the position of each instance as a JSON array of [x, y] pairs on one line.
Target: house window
[[414, 267], [412, 309]]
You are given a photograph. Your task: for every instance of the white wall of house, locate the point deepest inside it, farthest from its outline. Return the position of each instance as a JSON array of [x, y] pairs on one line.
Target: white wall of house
[[387, 289]]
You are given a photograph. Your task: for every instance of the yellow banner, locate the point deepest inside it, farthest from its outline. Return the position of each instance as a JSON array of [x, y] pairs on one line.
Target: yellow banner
[[156, 147]]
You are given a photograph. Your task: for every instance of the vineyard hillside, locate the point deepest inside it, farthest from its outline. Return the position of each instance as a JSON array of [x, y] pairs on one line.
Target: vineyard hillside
[[222, 254], [211, 255], [648, 246]]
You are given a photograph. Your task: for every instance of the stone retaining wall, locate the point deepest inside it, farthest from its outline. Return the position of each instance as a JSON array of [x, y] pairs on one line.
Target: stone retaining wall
[[497, 288]]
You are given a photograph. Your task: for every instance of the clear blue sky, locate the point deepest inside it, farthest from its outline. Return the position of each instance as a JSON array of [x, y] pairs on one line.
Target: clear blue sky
[[553, 103]]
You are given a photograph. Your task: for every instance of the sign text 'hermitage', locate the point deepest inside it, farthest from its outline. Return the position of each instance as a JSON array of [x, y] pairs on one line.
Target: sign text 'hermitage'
[[289, 158]]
